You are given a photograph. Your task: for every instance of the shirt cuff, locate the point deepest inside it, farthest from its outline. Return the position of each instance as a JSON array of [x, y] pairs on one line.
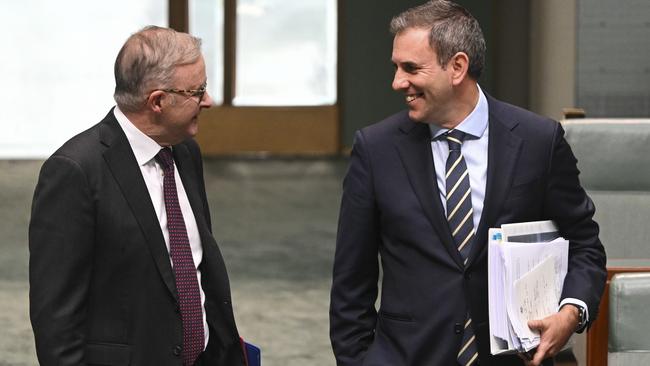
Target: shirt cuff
[[570, 300]]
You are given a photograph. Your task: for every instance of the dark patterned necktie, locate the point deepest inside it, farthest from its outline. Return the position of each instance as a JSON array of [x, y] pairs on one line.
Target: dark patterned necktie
[[180, 251], [460, 218]]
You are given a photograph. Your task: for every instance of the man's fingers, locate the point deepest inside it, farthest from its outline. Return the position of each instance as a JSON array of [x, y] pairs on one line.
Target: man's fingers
[[539, 356], [553, 337], [536, 324]]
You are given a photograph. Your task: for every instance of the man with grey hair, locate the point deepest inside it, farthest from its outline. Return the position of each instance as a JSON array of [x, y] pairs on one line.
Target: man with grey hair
[[422, 190], [123, 267]]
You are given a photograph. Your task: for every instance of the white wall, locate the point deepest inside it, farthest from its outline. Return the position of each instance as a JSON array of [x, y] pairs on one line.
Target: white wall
[[57, 67]]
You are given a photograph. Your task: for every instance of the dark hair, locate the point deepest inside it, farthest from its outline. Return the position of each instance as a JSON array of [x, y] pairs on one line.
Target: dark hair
[[452, 29]]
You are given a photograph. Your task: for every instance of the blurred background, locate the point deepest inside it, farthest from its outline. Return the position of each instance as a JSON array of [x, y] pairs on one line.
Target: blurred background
[[292, 81]]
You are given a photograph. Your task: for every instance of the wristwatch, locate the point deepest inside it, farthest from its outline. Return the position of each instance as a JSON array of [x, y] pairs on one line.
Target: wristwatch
[[582, 318]]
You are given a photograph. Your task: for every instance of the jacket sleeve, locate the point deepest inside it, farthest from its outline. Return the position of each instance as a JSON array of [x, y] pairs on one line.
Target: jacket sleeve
[[354, 287], [567, 203], [61, 234]]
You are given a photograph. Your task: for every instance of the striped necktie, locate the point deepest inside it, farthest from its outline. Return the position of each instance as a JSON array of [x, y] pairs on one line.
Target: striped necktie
[[180, 251], [461, 223]]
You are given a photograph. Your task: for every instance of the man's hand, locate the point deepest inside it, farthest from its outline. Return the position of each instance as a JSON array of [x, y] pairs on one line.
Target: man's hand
[[555, 330]]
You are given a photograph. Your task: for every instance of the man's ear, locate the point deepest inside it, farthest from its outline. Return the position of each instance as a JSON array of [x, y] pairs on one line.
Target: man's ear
[[459, 65], [156, 100]]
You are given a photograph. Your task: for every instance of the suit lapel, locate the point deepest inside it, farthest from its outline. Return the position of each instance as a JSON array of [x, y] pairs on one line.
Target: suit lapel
[[414, 147], [187, 171], [504, 148], [124, 167]]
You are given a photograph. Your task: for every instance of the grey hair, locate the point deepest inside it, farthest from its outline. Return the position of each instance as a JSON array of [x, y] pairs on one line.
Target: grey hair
[[147, 61], [452, 29]]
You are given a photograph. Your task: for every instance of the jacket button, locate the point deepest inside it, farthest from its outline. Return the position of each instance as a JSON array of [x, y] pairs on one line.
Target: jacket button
[[177, 350], [458, 328], [468, 275]]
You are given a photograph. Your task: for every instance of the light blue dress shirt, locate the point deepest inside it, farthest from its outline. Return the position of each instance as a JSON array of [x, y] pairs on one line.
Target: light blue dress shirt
[[474, 150]]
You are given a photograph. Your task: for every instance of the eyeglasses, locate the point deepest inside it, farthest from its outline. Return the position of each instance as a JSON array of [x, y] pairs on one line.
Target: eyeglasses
[[188, 92]]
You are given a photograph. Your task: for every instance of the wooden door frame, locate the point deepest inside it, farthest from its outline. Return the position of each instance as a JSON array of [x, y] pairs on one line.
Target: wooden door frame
[[285, 131]]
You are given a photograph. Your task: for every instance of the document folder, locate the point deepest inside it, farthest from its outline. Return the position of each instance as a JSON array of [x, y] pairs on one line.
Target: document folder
[[252, 353], [527, 263]]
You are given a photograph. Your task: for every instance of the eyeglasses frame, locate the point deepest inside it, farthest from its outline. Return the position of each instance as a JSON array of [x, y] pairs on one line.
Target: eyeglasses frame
[[187, 92]]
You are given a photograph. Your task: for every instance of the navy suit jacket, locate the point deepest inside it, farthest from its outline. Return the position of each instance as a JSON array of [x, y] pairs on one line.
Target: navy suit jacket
[[391, 208], [102, 289]]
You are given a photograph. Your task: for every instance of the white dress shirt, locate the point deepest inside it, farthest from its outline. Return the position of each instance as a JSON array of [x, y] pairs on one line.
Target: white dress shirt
[[145, 149]]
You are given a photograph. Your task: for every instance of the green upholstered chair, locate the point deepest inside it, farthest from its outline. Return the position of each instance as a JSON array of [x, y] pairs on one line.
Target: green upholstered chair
[[614, 161], [629, 320]]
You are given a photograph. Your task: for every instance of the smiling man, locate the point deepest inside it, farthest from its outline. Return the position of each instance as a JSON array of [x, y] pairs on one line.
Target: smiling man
[[123, 266], [422, 189]]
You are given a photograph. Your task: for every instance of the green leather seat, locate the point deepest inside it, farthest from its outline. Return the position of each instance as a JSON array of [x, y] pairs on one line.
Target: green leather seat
[[629, 319], [614, 161]]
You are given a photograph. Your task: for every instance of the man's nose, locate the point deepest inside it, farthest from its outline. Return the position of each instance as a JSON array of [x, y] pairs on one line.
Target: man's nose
[[207, 101], [400, 82]]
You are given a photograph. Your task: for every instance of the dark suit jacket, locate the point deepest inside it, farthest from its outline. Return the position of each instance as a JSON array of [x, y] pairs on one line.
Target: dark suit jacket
[[391, 207], [102, 290]]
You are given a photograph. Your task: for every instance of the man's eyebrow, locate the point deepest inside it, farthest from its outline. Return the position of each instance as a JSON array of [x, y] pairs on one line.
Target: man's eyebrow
[[407, 65]]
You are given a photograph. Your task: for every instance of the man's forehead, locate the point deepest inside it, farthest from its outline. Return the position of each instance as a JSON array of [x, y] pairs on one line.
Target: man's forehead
[[413, 45]]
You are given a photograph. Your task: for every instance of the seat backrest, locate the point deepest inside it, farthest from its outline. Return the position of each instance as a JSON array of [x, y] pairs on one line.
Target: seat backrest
[[614, 161], [629, 319]]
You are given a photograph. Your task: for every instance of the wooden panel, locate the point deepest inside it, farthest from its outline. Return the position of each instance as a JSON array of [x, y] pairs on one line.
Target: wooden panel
[[229, 50], [178, 19], [598, 333], [227, 130], [279, 131]]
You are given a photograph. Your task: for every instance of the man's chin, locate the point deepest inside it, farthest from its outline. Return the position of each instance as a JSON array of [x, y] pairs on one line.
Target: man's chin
[[418, 116], [192, 134], [415, 116]]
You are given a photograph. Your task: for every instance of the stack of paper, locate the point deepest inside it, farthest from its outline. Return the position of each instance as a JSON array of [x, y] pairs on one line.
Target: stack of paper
[[527, 263]]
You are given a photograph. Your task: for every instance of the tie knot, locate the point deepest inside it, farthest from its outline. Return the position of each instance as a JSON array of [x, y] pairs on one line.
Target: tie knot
[[455, 139], [165, 158]]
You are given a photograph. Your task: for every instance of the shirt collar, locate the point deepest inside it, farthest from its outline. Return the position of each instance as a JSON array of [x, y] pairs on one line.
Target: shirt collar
[[474, 124], [144, 147]]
